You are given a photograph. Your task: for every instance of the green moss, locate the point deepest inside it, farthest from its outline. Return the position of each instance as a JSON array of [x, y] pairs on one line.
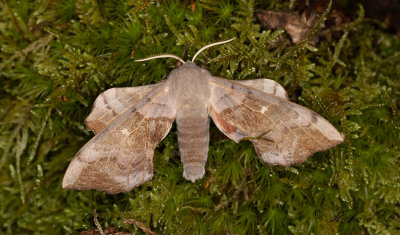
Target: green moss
[[76, 49]]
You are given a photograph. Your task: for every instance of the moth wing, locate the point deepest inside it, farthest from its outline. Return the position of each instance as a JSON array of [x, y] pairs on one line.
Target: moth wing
[[282, 132], [266, 85], [120, 156], [112, 103]]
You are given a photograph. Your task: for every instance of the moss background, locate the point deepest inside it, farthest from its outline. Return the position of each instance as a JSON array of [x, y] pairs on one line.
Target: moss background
[[57, 56]]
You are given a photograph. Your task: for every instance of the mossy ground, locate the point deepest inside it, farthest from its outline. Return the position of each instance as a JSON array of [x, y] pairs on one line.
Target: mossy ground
[[56, 56]]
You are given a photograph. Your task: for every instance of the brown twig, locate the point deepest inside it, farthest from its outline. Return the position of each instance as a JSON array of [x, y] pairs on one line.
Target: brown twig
[[183, 54], [144, 4], [140, 225], [16, 23], [234, 196], [97, 223], [260, 67], [107, 72], [204, 65], [193, 5]]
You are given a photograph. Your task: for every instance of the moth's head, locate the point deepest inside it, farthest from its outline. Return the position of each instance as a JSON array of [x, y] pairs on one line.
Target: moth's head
[[189, 63], [183, 62], [188, 69]]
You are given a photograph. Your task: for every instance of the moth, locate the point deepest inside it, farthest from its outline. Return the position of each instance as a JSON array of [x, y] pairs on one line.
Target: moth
[[129, 123]]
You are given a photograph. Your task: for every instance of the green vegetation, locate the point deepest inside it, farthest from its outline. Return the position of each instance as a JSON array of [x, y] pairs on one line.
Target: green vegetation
[[57, 56]]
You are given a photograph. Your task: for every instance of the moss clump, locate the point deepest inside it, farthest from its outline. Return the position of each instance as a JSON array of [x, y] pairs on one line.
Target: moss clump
[[57, 56]]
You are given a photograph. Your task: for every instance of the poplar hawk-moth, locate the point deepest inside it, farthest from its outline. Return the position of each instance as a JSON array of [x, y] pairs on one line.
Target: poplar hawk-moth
[[129, 123]]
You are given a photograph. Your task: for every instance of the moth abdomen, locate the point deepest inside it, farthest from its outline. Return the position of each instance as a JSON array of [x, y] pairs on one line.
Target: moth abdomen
[[193, 140]]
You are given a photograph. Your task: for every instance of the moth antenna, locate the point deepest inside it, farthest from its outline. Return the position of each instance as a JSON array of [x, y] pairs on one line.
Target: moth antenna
[[161, 56], [210, 45]]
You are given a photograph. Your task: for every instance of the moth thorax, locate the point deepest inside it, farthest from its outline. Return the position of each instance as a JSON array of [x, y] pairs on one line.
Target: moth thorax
[[189, 82], [193, 140]]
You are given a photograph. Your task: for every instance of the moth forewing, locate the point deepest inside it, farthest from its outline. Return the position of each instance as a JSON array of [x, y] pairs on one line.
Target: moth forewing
[[110, 104], [120, 156]]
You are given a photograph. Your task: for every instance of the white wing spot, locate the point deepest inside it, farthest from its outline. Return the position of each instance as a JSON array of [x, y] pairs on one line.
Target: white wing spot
[[264, 109], [125, 131]]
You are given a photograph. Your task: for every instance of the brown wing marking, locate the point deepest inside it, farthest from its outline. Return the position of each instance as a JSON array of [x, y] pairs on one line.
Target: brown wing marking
[[120, 156], [112, 103], [282, 132]]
